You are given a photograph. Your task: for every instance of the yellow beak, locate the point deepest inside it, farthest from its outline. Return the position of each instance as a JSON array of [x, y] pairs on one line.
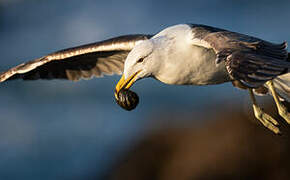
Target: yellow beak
[[125, 84]]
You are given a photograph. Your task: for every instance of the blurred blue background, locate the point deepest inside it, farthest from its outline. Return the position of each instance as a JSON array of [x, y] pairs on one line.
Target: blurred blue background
[[67, 130]]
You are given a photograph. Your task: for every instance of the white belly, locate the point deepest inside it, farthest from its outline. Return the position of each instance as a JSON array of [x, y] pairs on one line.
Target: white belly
[[197, 67], [204, 70]]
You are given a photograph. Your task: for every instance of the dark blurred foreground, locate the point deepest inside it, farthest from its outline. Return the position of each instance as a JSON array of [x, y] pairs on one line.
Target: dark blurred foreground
[[230, 146]]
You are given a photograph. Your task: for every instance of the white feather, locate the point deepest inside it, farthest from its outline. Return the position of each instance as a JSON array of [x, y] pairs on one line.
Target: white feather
[[282, 86]]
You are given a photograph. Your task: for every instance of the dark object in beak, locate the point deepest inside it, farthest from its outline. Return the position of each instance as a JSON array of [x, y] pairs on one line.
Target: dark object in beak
[[127, 99]]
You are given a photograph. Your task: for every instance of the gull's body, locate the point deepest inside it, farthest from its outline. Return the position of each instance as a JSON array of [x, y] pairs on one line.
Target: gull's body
[[185, 54], [196, 63]]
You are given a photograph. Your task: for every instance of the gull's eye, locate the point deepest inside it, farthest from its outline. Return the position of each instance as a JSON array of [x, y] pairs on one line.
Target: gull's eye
[[140, 60]]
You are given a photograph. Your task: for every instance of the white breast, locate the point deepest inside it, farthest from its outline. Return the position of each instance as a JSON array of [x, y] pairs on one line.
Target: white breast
[[185, 63]]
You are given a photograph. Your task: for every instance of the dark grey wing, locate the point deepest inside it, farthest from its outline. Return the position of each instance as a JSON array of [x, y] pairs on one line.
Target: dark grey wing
[[96, 59], [250, 60], [253, 69]]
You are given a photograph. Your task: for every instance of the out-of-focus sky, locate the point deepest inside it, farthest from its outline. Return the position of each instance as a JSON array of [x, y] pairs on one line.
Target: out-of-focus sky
[[60, 129]]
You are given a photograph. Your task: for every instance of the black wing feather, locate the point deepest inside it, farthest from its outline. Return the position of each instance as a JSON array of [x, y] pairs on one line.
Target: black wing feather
[[253, 70], [96, 59]]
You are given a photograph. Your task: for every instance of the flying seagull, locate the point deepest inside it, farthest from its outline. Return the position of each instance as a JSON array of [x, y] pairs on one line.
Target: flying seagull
[[184, 54]]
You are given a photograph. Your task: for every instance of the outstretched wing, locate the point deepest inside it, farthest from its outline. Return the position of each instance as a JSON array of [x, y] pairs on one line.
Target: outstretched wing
[[249, 60], [105, 57]]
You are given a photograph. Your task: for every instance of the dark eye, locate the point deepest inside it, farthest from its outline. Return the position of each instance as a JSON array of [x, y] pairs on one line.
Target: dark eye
[[140, 60]]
